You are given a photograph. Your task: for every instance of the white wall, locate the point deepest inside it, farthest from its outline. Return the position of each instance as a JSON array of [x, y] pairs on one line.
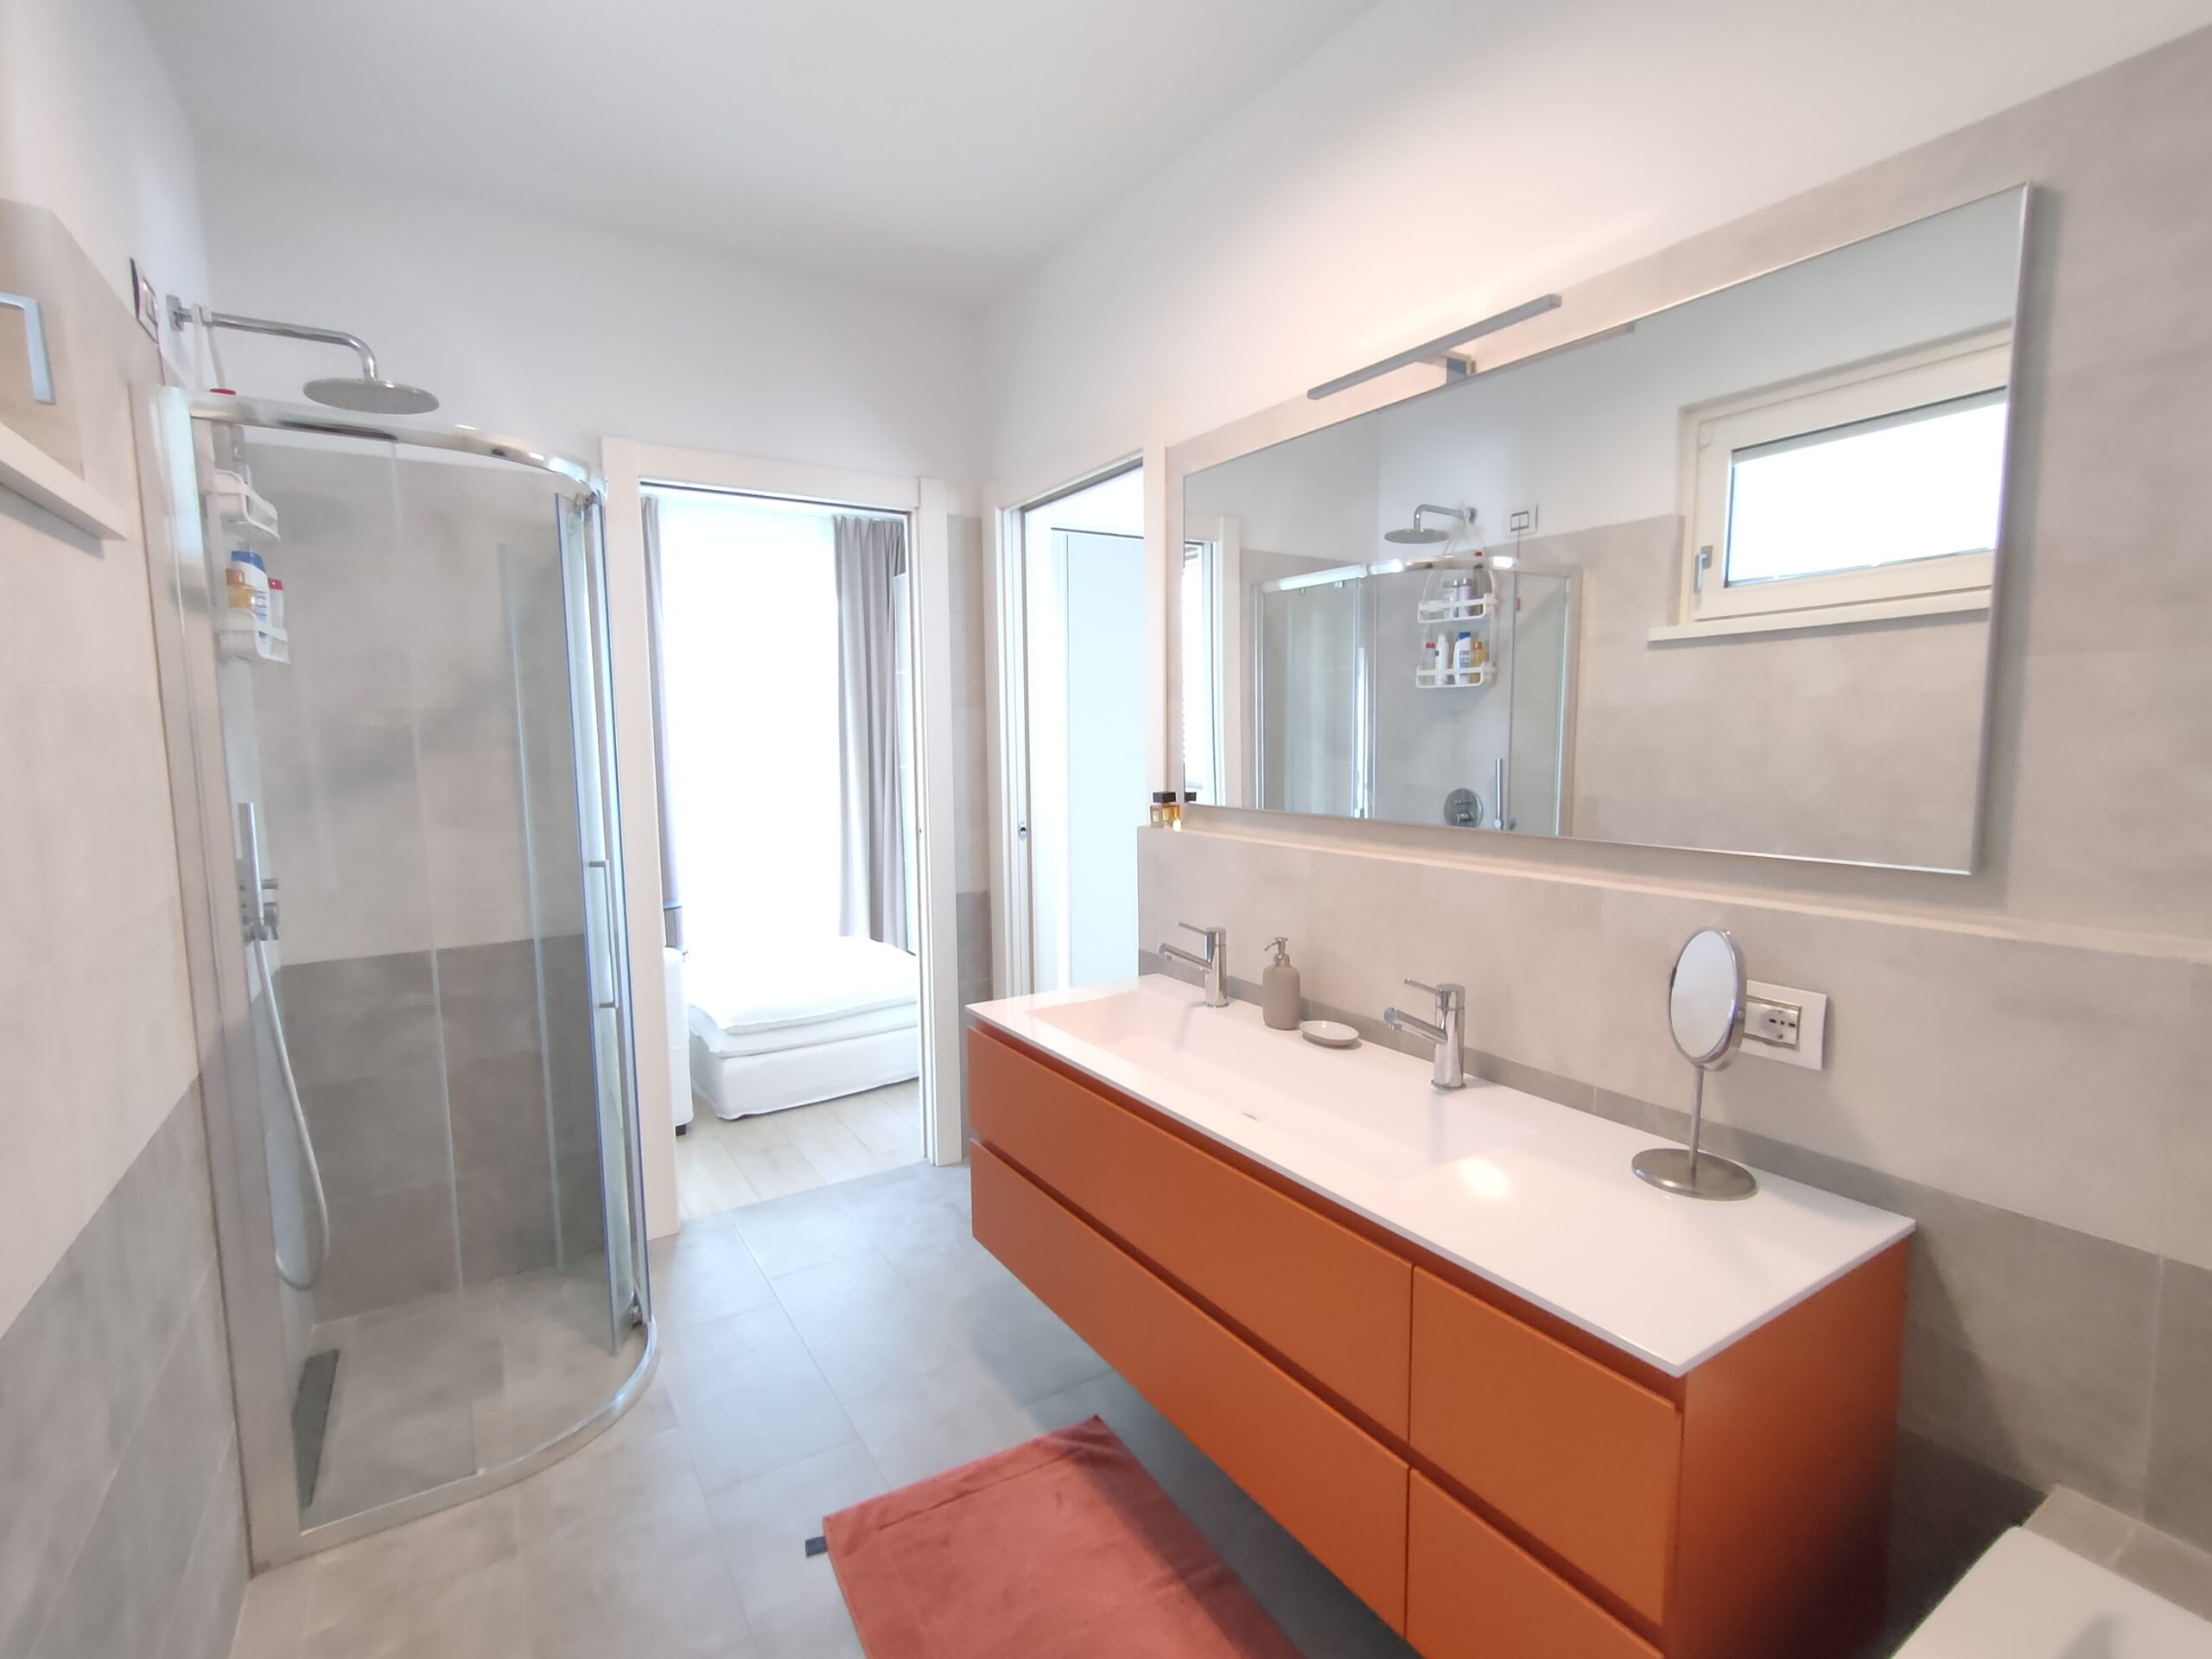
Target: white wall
[[90, 129], [1078, 698], [561, 332], [1439, 161]]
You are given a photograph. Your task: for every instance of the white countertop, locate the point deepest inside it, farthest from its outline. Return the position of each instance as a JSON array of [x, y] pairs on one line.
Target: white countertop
[[2032, 1598], [1534, 1197]]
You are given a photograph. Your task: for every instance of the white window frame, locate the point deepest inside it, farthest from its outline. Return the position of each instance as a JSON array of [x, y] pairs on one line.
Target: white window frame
[[1713, 433]]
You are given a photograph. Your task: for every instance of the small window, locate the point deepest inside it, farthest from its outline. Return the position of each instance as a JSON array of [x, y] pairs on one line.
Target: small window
[[1874, 486]]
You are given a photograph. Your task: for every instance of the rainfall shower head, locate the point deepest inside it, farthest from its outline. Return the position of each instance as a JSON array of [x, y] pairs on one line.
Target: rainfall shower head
[[1417, 535], [366, 393], [366, 396]]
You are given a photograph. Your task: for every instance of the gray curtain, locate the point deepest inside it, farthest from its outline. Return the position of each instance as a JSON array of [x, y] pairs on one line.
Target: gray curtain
[[871, 552], [671, 891]]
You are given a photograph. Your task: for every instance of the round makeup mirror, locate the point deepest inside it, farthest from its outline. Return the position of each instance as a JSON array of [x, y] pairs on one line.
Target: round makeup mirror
[[1705, 998], [1704, 1012]]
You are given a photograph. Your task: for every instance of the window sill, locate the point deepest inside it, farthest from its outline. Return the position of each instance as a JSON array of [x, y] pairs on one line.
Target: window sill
[[1824, 616]]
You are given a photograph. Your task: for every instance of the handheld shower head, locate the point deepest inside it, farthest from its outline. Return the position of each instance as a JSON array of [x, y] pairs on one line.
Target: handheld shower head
[[366, 396], [1417, 535]]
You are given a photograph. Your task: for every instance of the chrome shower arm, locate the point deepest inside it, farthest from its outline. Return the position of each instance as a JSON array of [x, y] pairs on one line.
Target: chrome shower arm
[[287, 330]]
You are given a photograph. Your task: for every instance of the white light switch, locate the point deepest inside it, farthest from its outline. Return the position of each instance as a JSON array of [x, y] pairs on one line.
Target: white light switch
[[1786, 1025]]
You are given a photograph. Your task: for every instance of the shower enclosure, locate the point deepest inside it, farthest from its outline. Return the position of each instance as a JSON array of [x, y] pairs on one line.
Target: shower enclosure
[[1348, 722], [384, 650]]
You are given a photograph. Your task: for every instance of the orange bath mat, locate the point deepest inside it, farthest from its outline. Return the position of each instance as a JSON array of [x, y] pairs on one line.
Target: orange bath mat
[[1061, 1549]]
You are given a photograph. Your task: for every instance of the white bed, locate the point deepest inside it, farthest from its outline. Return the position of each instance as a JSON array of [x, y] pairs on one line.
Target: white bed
[[799, 1024]]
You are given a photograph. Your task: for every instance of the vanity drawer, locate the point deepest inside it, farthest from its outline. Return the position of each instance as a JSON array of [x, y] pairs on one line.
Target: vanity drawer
[[1336, 1489], [1584, 1460], [1472, 1594], [1335, 1304]]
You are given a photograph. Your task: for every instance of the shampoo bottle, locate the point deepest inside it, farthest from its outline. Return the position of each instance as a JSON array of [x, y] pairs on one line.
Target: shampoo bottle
[[1279, 998]]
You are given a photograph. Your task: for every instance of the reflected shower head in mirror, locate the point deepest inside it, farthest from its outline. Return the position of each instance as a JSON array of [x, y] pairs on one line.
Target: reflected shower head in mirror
[[1418, 534], [364, 395]]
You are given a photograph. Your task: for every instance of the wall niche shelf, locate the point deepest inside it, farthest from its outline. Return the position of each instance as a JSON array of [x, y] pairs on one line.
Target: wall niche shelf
[[37, 477]]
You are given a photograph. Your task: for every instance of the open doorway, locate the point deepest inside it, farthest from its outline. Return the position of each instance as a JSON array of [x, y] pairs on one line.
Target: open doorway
[[1085, 788], [786, 731]]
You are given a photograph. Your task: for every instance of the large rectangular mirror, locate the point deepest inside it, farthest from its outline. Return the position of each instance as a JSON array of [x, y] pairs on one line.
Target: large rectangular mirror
[[1719, 579]]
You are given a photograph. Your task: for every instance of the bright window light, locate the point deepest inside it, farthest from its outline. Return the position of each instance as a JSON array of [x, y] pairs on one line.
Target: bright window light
[[1923, 483], [749, 653]]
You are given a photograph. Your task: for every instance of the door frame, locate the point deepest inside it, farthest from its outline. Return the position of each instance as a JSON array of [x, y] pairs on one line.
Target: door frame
[[1006, 680], [927, 504]]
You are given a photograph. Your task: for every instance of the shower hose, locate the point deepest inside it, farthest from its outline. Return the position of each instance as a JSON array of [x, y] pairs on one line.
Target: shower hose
[[295, 1277]]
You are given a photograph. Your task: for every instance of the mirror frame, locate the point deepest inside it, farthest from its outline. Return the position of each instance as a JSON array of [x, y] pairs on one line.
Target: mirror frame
[[1609, 303]]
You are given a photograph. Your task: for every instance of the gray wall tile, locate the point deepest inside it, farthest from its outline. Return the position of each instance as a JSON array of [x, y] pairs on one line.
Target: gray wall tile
[[203, 1621], [388, 1248], [119, 1593], [116, 1432], [360, 1016], [379, 1132], [488, 996], [2181, 1406]]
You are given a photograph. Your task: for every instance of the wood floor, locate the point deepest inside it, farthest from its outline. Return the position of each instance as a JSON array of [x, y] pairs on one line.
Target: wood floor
[[728, 1165]]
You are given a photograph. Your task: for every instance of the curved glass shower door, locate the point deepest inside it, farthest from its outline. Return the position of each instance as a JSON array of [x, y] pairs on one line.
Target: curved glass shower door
[[411, 647]]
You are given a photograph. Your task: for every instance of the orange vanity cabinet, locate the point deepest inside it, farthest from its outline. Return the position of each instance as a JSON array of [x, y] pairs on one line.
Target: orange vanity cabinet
[[1493, 1482]]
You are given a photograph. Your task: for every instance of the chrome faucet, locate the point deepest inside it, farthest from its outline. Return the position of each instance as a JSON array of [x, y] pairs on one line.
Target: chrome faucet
[[1448, 1033], [1214, 964]]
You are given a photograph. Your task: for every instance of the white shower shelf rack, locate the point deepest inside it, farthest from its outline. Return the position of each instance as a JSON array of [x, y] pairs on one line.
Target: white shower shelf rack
[[1451, 679], [245, 638], [240, 504], [1442, 619], [1433, 611]]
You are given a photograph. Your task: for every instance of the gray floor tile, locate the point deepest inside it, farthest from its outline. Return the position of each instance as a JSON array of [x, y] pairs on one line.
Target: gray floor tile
[[880, 1350], [638, 1475], [751, 1399], [355, 1581], [791, 1600], [802, 1230], [705, 1271], [650, 1588], [459, 1616], [864, 1324], [764, 1523], [811, 1624], [273, 1617], [1022, 1343], [922, 1425]]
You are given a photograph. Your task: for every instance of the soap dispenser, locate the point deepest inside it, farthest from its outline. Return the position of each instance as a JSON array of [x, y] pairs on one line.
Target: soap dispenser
[[1279, 999]]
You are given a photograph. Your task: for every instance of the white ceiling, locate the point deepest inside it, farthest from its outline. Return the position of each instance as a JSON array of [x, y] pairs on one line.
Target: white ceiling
[[938, 146]]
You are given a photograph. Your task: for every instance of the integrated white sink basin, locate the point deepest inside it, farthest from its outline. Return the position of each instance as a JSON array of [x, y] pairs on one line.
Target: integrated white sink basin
[[1278, 1079], [1536, 1196]]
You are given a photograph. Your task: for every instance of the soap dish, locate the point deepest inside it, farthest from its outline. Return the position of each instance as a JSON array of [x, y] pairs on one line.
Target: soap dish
[[1330, 1034]]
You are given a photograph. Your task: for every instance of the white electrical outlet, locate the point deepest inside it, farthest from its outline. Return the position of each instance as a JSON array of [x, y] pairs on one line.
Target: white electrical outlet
[[1786, 1025]]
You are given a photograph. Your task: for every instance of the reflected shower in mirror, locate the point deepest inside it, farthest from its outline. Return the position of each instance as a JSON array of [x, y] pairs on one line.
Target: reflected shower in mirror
[[1721, 578]]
